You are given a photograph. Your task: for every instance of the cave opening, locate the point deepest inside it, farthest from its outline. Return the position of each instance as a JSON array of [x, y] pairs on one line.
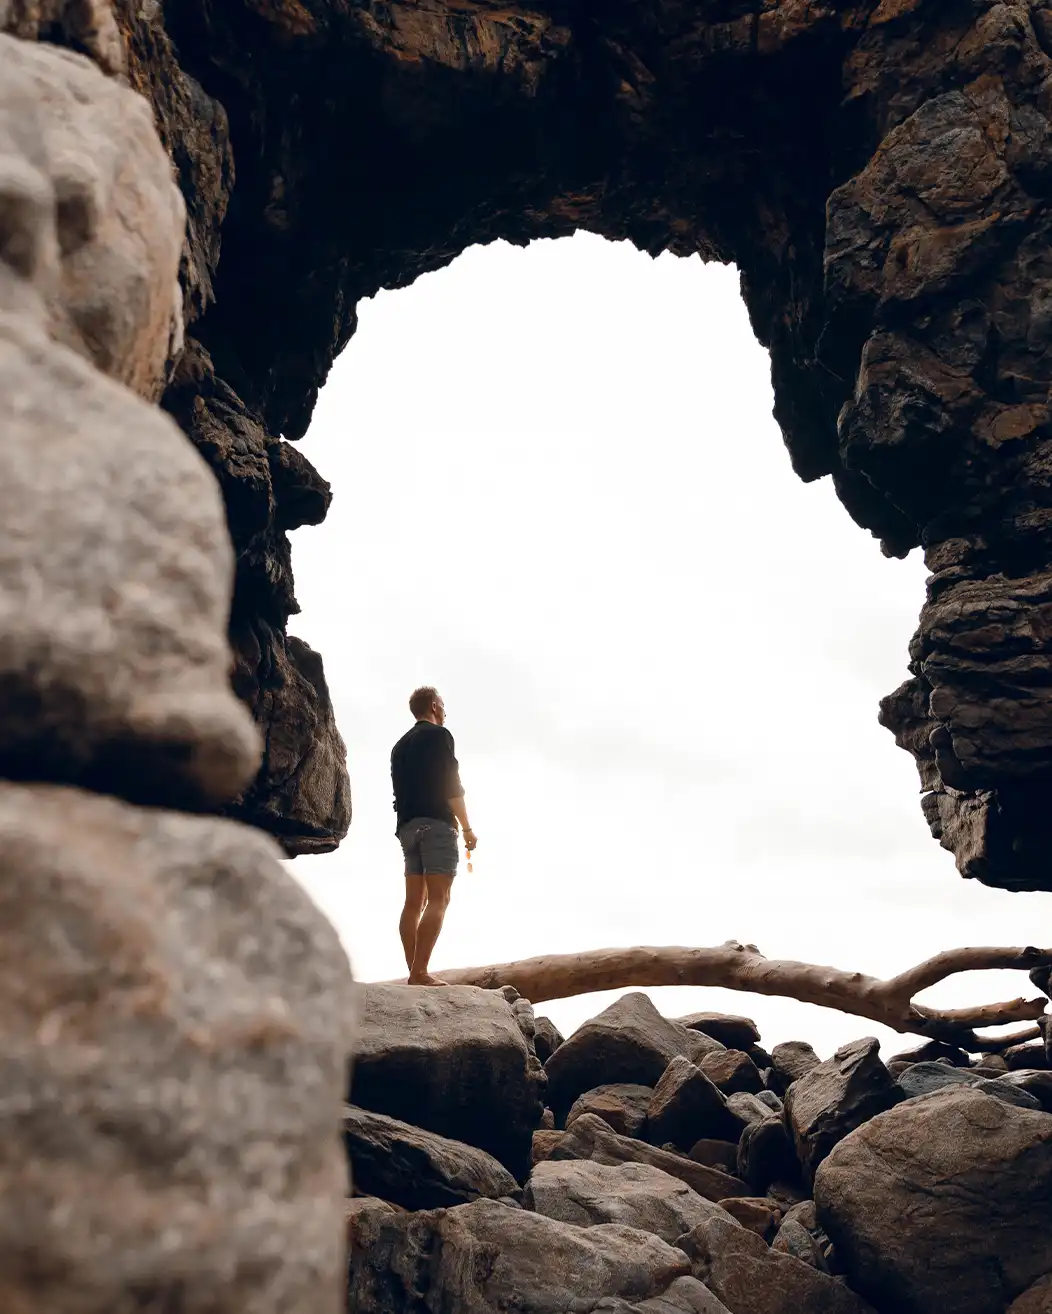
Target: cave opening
[[560, 494]]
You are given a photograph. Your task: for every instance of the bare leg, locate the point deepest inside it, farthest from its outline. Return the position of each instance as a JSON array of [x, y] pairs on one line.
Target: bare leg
[[439, 889], [415, 898]]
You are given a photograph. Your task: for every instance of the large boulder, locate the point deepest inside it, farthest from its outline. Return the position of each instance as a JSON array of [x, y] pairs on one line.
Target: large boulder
[[93, 220], [623, 1106], [485, 1258], [635, 1194], [750, 1278], [924, 1078], [687, 1107], [730, 1030], [789, 1061], [833, 1098], [591, 1138], [628, 1042], [942, 1204], [453, 1061], [546, 1038], [114, 660], [419, 1169], [174, 1024], [766, 1154], [733, 1071]]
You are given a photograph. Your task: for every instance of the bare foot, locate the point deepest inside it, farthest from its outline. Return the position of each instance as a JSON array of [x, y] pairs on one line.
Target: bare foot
[[426, 979]]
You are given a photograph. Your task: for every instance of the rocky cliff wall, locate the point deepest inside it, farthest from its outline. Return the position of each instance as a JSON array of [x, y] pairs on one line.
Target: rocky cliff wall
[[877, 169]]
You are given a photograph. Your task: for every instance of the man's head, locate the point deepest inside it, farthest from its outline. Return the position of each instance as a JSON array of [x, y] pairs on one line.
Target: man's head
[[426, 705]]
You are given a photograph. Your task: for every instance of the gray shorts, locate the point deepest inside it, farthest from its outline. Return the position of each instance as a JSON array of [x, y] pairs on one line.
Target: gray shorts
[[430, 847]]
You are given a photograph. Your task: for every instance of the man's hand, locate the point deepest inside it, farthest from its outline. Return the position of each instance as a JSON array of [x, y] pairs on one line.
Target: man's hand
[[470, 838]]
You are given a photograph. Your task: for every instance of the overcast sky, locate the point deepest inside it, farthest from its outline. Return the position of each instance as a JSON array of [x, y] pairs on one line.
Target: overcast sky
[[560, 496]]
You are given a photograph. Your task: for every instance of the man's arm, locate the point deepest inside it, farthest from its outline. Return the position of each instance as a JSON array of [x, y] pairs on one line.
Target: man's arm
[[459, 809], [456, 801]]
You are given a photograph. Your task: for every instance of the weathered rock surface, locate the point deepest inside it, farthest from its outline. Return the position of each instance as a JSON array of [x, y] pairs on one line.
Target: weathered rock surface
[[730, 1030], [732, 1071], [831, 1100], [925, 1078], [756, 1213], [942, 1203], [86, 25], [791, 1060], [686, 1106], [590, 1138], [1036, 1084], [623, 1107], [484, 1258], [685, 1296], [766, 1154], [546, 1038], [635, 1194], [301, 792], [717, 1154], [1036, 1299], [792, 1238], [418, 1169], [629, 1042], [750, 1278], [92, 219], [174, 1017], [115, 571], [452, 1061]]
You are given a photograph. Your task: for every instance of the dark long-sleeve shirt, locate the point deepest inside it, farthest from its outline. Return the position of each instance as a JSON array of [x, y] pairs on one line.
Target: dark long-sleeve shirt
[[425, 774]]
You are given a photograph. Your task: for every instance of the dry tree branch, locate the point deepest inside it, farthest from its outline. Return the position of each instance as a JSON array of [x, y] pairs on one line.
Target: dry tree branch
[[735, 966]]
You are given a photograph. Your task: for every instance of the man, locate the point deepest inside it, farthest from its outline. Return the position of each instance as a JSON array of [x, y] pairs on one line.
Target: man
[[429, 801]]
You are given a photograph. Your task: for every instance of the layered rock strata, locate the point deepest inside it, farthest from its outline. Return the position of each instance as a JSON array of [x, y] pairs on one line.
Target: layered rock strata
[[173, 1009]]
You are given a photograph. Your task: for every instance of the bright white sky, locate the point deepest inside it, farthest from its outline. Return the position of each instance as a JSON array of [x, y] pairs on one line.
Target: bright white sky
[[560, 496]]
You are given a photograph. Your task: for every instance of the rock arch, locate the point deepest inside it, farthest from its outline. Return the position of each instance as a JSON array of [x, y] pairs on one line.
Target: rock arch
[[877, 169]]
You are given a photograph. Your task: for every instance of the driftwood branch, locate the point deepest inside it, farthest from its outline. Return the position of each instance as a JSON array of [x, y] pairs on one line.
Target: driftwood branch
[[735, 966]]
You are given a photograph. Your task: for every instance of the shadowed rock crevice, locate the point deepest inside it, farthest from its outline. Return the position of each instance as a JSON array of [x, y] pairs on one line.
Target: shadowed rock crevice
[[879, 170]]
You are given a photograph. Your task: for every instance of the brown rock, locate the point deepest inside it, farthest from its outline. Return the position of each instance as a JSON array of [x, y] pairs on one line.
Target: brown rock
[[766, 1154], [590, 1138], [732, 1071], [732, 1031], [174, 1021], [484, 1257], [628, 1043], [686, 1106], [737, 1266], [940, 1203], [418, 1169], [544, 1142], [716, 1154], [452, 1061], [831, 1100], [790, 1060], [1036, 1299], [756, 1213], [624, 1107], [634, 1194]]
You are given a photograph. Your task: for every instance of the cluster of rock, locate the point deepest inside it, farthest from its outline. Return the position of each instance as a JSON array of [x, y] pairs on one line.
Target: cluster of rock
[[173, 1009], [677, 1167]]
